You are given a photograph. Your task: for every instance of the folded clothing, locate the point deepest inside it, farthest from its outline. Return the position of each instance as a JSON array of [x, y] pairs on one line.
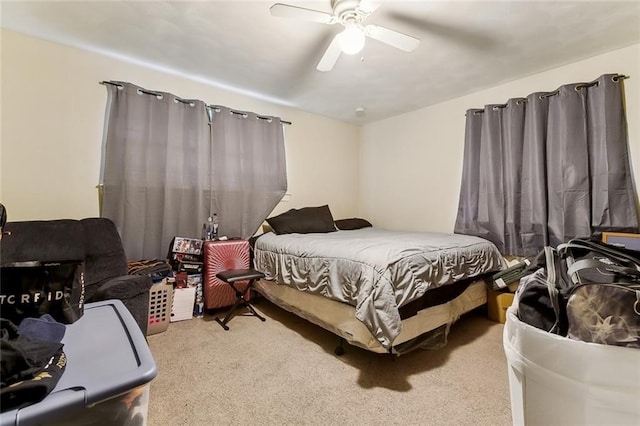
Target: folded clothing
[[43, 328], [30, 366]]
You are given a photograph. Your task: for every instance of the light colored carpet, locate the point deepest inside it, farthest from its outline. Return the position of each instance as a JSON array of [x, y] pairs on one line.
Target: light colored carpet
[[284, 372]]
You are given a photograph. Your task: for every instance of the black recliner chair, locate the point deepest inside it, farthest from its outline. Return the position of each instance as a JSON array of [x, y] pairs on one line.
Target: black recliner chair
[[96, 240]]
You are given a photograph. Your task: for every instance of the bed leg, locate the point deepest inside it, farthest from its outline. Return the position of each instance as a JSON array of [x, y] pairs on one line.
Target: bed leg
[[339, 350]]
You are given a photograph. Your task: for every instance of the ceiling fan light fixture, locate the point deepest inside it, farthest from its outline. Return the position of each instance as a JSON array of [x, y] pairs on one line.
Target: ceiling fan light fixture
[[351, 39], [350, 14]]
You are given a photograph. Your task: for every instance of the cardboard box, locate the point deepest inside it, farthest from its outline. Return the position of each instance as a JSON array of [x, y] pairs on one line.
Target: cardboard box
[[497, 305]]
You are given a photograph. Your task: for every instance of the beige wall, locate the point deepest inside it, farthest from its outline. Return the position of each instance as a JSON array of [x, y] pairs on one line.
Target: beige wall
[[401, 173], [52, 116], [411, 164]]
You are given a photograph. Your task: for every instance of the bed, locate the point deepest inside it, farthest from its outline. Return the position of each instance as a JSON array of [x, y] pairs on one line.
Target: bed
[[385, 291]]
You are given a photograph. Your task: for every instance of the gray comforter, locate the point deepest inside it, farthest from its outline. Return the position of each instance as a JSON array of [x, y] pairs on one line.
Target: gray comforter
[[375, 270]]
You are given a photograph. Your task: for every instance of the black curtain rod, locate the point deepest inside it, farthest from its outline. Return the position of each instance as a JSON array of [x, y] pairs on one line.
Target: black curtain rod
[[578, 87], [190, 102], [112, 83], [244, 114]]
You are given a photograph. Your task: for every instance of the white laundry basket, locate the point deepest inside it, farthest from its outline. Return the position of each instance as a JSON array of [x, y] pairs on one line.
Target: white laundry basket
[[554, 380]]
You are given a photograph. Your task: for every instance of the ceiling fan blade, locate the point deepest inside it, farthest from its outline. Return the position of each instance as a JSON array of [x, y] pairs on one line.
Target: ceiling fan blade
[[392, 38], [330, 56], [286, 11]]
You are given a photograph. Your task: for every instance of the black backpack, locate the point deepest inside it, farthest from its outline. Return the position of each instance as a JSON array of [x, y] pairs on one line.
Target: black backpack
[[584, 289]]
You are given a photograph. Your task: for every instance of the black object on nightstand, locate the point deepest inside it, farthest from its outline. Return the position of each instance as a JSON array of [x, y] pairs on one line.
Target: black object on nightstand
[[231, 277]]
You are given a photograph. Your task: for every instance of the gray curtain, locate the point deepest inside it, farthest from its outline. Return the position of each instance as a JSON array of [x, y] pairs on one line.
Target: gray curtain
[[167, 167], [155, 168], [547, 168], [248, 169]]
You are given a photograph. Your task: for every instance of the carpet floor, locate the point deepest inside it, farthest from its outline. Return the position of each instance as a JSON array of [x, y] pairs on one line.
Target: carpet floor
[[284, 372]]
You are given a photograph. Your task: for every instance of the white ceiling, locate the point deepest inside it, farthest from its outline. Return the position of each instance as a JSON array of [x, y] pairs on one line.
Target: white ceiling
[[466, 46]]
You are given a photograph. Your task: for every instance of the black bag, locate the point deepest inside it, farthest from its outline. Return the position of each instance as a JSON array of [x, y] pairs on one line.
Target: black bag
[[586, 290], [540, 301], [32, 289], [592, 261]]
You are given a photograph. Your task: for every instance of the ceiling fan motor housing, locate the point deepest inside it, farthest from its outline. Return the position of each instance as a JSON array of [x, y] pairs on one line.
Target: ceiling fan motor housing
[[347, 11]]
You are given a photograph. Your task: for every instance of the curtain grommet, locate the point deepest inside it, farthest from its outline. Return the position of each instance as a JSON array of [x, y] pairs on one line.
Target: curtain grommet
[[546, 95], [184, 102], [579, 87], [158, 96]]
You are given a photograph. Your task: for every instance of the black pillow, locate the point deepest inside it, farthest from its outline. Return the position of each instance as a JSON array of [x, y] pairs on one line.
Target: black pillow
[[353, 223], [303, 221]]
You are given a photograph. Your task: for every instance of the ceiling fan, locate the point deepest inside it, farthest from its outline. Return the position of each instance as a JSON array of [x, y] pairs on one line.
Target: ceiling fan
[[351, 14]]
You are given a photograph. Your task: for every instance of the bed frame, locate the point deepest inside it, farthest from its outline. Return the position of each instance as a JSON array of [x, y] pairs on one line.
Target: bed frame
[[423, 329]]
